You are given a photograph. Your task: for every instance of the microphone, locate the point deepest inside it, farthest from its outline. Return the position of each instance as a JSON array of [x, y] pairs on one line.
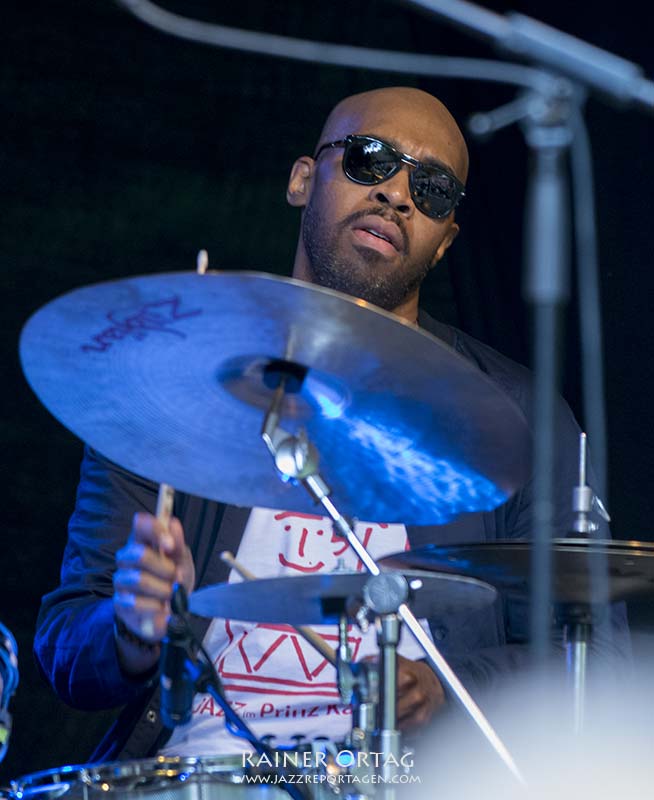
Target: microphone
[[177, 688]]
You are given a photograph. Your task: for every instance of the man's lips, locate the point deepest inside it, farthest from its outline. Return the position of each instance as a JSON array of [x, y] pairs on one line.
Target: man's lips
[[370, 240], [382, 235]]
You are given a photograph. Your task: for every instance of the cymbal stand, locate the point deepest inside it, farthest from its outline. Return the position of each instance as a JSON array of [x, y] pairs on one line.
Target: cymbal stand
[[388, 737], [358, 685], [576, 621], [296, 459]]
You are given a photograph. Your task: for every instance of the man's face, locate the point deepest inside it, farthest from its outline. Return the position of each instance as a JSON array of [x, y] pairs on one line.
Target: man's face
[[371, 241]]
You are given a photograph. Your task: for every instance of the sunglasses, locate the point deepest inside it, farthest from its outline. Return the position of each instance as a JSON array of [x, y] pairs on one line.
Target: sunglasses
[[369, 161]]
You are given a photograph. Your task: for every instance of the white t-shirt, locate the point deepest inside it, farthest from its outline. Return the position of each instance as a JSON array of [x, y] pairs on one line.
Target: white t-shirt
[[273, 678]]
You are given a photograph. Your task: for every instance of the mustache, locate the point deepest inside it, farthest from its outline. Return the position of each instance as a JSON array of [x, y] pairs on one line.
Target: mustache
[[379, 211]]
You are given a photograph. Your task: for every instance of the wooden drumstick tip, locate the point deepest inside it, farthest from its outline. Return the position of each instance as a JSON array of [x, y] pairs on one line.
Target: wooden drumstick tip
[[202, 262], [164, 510], [165, 500]]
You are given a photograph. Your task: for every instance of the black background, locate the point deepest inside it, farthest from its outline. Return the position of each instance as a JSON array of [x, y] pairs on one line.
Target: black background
[[125, 151]]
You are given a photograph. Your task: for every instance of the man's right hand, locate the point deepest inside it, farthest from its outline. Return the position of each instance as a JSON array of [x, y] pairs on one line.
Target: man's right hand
[[154, 558]]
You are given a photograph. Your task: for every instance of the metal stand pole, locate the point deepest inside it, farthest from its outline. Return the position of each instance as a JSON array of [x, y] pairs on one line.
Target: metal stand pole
[[577, 631], [388, 735], [546, 289]]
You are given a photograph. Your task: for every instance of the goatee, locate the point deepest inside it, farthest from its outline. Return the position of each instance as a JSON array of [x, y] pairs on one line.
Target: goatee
[[366, 274]]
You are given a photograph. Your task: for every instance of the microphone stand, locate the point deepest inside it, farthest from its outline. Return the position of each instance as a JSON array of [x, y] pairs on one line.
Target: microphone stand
[[531, 40], [204, 679], [546, 290], [550, 127]]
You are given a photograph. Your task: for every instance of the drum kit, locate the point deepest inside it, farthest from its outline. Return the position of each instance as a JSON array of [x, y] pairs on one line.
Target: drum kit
[[361, 413]]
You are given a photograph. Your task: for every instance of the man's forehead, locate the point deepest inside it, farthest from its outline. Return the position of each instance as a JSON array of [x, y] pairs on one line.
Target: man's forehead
[[420, 131]]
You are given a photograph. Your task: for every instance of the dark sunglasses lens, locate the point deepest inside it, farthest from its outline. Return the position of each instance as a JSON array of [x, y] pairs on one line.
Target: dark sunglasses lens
[[434, 192], [370, 162]]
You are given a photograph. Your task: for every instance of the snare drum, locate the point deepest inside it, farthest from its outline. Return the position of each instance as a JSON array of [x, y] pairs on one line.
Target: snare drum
[[172, 778]]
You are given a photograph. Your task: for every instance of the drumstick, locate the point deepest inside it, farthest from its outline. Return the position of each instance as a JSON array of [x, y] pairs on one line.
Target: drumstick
[[202, 262], [165, 500], [314, 639], [164, 511]]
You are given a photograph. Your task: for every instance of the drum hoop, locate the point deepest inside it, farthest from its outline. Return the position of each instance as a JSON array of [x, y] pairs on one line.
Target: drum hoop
[[126, 775], [162, 769], [49, 779]]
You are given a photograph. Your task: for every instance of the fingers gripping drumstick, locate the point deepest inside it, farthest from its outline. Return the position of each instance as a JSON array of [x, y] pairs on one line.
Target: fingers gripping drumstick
[[312, 637]]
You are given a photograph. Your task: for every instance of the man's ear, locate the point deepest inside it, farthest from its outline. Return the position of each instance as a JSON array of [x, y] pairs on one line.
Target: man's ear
[[450, 235], [299, 183]]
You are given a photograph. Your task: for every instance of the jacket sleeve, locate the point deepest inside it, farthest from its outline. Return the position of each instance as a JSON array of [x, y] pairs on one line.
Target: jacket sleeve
[[74, 644]]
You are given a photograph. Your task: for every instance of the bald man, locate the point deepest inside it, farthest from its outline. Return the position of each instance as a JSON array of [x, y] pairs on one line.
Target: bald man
[[340, 246], [378, 199]]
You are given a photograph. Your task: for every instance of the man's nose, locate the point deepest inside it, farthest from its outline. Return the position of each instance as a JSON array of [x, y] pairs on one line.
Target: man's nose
[[394, 192]]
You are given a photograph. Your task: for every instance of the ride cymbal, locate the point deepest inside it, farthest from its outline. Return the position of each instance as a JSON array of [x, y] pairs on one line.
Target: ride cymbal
[[168, 375]]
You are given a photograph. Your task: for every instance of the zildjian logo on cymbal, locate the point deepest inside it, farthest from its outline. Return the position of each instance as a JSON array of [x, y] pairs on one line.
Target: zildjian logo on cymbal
[[156, 316]]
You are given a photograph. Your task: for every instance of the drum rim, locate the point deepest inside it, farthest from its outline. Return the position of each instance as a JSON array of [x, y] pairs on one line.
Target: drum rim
[[229, 768], [93, 773]]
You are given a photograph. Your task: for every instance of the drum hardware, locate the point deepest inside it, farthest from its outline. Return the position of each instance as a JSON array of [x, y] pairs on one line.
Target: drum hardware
[[576, 619], [333, 598], [358, 683], [328, 598], [576, 622], [8, 684], [584, 500], [296, 459], [382, 596]]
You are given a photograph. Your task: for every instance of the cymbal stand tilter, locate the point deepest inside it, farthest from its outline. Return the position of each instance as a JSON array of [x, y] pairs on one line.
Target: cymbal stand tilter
[[296, 459]]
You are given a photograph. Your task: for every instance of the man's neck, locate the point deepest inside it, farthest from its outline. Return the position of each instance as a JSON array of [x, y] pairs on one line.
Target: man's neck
[[408, 311]]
